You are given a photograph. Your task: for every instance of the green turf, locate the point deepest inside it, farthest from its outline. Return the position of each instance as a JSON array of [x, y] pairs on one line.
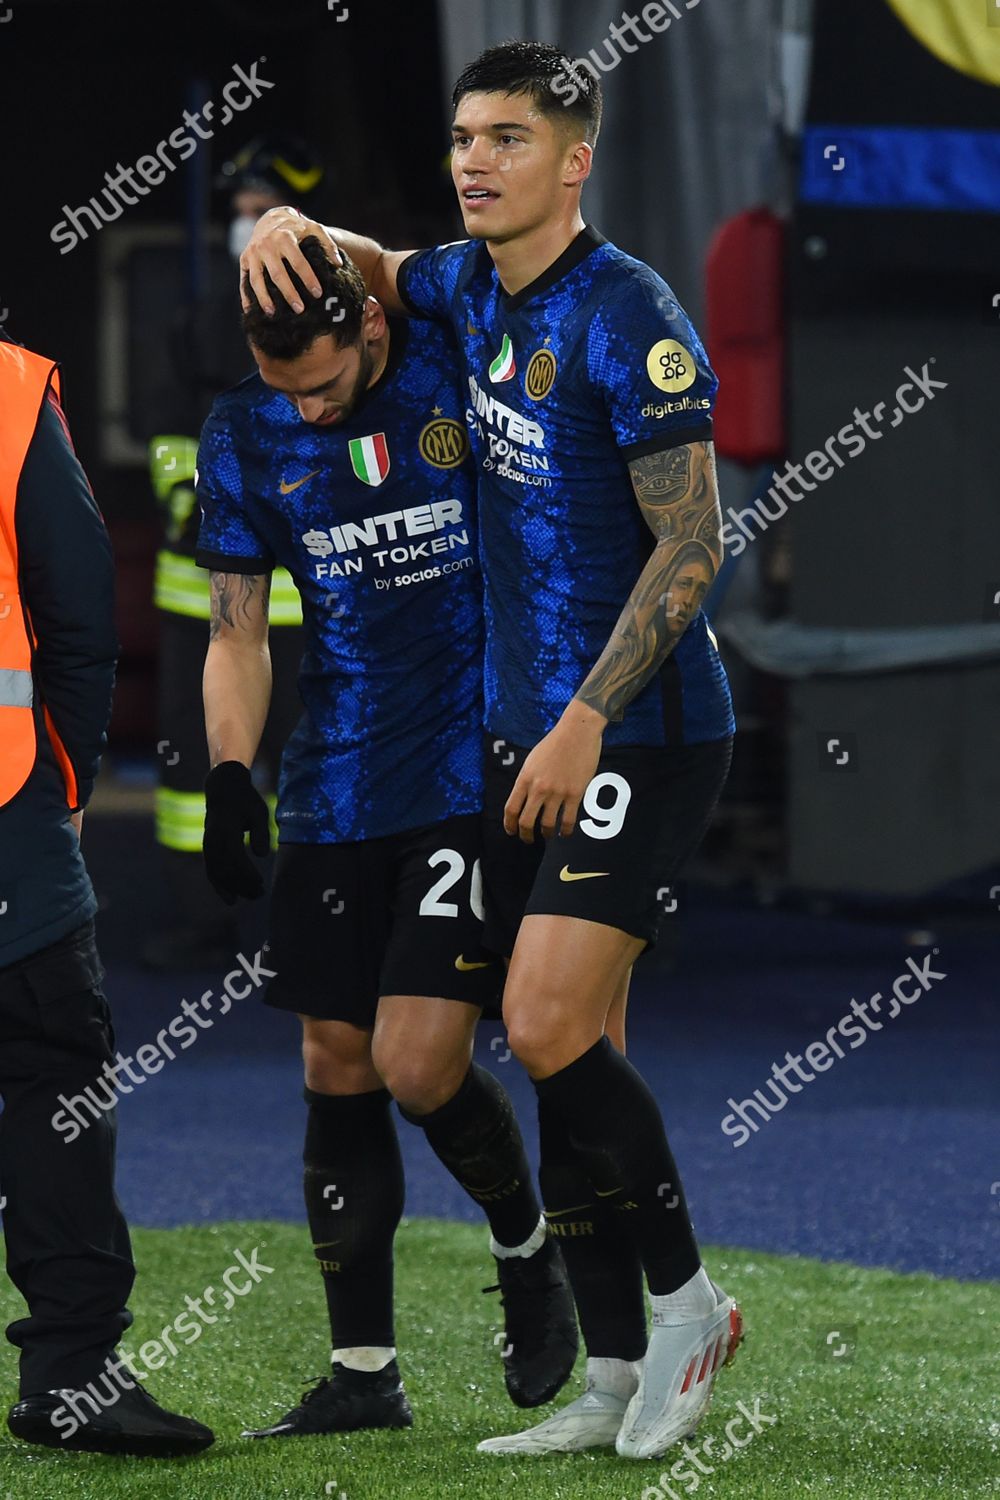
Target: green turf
[[907, 1410]]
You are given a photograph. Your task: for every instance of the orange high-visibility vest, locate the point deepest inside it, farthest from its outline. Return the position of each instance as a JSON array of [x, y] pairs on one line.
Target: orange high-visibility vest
[[25, 380]]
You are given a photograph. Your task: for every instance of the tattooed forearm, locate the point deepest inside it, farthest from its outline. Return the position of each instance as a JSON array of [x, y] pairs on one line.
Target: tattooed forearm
[[675, 490], [239, 599], [678, 496]]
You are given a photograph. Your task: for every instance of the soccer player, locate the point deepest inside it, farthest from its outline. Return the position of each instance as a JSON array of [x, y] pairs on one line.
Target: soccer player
[[608, 715], [344, 460]]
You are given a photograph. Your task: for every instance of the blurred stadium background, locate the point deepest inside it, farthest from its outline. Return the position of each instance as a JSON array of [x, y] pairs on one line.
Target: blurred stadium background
[[820, 183]]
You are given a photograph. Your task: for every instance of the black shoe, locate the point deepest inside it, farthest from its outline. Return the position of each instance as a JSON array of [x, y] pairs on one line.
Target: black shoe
[[133, 1423], [344, 1402], [540, 1321]]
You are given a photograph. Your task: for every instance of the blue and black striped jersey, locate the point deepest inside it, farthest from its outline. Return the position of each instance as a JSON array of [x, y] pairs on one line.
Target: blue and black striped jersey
[[591, 365], [375, 520]]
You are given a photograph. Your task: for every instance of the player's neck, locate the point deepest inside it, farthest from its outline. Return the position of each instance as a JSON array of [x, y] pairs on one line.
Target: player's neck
[[381, 360], [521, 261]]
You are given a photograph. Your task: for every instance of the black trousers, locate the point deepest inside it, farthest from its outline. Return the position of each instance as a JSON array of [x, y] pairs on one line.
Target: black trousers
[[68, 1249]]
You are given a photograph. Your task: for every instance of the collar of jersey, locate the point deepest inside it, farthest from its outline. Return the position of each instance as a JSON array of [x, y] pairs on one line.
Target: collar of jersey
[[577, 250]]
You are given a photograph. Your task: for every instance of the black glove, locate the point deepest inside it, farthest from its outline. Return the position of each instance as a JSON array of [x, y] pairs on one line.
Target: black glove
[[233, 806]]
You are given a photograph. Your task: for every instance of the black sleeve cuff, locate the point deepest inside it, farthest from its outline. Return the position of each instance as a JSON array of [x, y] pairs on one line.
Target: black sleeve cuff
[[700, 433], [222, 562]]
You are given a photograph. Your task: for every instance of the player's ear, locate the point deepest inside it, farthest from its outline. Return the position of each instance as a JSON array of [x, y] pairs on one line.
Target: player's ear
[[579, 159], [372, 320]]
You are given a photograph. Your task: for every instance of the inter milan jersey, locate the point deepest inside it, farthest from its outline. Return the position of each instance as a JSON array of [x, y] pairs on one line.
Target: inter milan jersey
[[593, 364], [374, 519]]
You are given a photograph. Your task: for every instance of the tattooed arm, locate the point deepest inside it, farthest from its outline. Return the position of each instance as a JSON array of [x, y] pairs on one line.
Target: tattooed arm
[[679, 499], [678, 496], [237, 680]]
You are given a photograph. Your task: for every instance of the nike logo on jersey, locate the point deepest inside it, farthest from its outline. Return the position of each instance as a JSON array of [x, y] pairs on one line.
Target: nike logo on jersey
[[464, 967], [567, 874], [286, 489]]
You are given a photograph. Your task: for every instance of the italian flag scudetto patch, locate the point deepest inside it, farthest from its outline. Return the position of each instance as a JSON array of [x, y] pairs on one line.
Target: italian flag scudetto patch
[[503, 367], [370, 458]]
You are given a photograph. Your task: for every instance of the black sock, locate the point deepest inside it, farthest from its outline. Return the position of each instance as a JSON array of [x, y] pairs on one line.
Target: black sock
[[614, 1124], [354, 1199], [602, 1261], [477, 1137]]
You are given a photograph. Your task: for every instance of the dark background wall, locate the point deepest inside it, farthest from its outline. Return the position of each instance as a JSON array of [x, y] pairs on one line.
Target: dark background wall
[[91, 83]]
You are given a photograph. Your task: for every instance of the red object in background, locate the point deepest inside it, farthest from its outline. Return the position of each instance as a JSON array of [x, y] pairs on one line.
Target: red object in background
[[744, 284]]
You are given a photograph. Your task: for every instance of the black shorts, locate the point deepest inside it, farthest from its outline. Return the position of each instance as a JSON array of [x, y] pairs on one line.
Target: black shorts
[[644, 813], [400, 915]]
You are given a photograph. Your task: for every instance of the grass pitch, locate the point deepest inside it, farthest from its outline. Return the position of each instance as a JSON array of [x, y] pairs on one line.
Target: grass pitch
[[884, 1386]]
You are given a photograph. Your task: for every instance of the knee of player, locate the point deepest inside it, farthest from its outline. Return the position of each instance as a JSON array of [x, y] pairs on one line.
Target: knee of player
[[420, 1083], [531, 1037], [338, 1063]]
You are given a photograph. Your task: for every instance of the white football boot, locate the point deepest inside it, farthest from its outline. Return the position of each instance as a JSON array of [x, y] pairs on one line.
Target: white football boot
[[678, 1372], [591, 1421]]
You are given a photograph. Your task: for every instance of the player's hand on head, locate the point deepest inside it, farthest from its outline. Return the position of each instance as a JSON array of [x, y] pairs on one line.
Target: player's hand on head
[[275, 239], [554, 777], [233, 807]]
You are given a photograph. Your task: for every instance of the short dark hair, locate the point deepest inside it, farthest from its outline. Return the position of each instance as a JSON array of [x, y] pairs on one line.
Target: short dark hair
[[288, 334], [542, 71]]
